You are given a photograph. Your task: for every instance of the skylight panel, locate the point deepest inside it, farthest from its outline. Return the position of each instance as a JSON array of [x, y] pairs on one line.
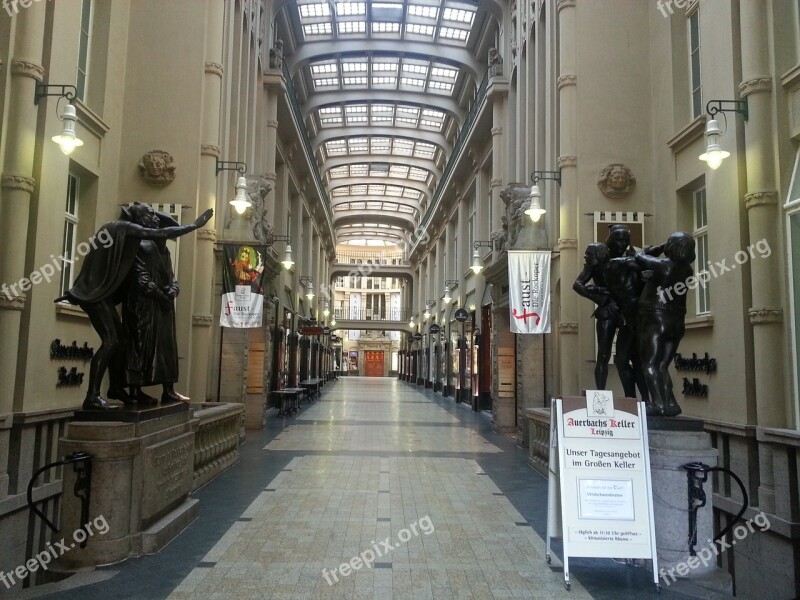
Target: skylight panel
[[323, 69], [358, 170], [415, 68], [384, 80], [345, 27], [353, 119], [374, 205], [330, 110], [394, 190], [317, 9], [358, 190], [355, 109], [428, 12], [412, 81], [317, 29], [440, 85], [408, 120], [381, 119], [412, 194], [458, 15], [384, 66], [354, 66], [406, 209], [418, 174], [429, 113], [342, 171], [326, 82], [452, 33], [357, 205], [347, 9], [417, 29], [354, 80], [376, 189], [384, 27], [408, 111], [444, 72], [336, 120], [398, 171], [382, 108], [342, 191], [424, 150]]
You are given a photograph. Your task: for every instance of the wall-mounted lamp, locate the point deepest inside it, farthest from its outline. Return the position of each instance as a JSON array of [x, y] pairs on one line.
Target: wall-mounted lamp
[[333, 322], [67, 139], [477, 263], [287, 261], [535, 210], [240, 201], [714, 154], [327, 310], [306, 282], [447, 285], [411, 323], [428, 304]]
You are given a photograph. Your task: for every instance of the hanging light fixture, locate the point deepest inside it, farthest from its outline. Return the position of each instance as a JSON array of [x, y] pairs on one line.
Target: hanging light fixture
[[287, 261], [714, 154], [67, 138], [306, 281], [333, 322], [447, 298], [535, 211], [326, 311], [240, 201], [411, 323]]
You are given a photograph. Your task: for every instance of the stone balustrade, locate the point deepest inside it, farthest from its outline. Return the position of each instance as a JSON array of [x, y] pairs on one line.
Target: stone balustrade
[[217, 438], [538, 438]]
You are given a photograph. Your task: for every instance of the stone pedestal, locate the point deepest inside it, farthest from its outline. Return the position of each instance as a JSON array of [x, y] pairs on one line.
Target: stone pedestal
[[142, 467], [675, 442]]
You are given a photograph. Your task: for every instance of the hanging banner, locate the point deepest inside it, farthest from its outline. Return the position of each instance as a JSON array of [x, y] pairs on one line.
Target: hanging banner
[[242, 287], [529, 291]]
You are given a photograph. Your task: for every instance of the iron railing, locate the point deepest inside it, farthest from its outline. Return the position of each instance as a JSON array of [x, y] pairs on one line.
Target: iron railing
[[371, 257], [297, 112], [370, 314], [455, 154]]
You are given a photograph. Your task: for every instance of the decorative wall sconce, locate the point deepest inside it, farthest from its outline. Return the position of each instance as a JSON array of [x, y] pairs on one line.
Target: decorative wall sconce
[[240, 201], [327, 310], [714, 154], [287, 261], [411, 323], [67, 139], [307, 282], [477, 263], [428, 305], [447, 285], [535, 211]]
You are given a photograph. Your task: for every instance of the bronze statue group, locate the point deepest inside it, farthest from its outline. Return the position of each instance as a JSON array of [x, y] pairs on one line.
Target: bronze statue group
[[139, 348], [628, 288]]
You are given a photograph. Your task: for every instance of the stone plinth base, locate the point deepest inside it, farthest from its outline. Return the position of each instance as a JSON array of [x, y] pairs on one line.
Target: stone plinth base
[[142, 467], [673, 443]]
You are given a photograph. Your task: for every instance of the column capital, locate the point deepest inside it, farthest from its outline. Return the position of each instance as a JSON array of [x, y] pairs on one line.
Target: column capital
[[25, 68], [18, 182], [562, 4], [207, 235], [497, 131], [567, 80], [568, 160], [15, 303], [496, 182], [210, 150], [755, 85], [765, 315], [761, 198], [567, 244], [272, 123], [214, 68]]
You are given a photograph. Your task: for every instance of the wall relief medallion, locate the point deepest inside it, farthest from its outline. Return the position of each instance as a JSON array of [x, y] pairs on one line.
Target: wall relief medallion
[[157, 168], [616, 181]]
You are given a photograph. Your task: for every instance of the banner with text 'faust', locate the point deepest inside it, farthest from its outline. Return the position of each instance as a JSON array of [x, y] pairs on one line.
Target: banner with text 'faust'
[[242, 286], [529, 291]]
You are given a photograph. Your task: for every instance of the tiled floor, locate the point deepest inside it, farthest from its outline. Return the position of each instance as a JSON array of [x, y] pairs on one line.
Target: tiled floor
[[378, 469]]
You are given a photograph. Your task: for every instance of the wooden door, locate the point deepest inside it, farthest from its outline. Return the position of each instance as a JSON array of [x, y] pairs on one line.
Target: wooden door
[[373, 363]]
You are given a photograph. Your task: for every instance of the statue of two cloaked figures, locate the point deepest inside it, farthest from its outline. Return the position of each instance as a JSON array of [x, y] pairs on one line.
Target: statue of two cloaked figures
[[135, 270], [635, 298]]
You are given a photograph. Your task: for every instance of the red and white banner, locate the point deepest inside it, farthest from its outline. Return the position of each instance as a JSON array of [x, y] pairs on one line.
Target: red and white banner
[[529, 291]]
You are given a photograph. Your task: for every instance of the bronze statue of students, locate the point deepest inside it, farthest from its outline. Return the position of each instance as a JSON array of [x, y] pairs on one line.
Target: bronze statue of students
[[662, 310], [100, 286], [607, 315]]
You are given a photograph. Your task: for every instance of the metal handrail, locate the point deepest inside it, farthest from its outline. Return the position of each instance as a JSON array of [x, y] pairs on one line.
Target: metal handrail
[[297, 112], [455, 155]]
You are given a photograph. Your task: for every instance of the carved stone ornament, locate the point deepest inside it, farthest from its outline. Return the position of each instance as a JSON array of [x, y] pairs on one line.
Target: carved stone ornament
[[157, 168], [257, 189], [616, 181], [495, 63]]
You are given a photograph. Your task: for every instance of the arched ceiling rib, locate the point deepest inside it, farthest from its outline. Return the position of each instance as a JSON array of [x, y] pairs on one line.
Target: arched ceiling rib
[[385, 86]]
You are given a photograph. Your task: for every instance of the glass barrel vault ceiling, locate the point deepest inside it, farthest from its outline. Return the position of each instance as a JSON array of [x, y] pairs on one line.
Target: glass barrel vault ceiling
[[385, 87]]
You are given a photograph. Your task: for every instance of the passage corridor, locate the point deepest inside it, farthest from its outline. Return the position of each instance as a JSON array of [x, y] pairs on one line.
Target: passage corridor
[[382, 470]]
